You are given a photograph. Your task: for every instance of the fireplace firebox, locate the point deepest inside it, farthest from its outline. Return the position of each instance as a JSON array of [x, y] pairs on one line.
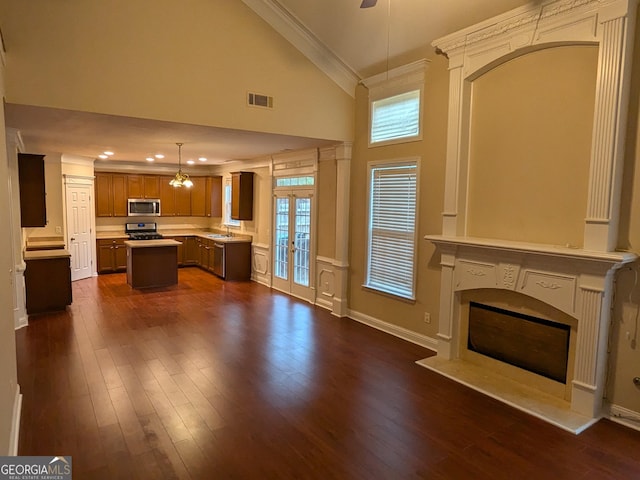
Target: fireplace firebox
[[524, 341]]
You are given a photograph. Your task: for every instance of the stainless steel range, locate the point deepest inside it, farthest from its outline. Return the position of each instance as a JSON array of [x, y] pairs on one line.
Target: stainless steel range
[[142, 231]]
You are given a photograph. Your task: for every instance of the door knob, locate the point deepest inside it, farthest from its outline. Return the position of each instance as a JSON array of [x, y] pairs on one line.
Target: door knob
[[73, 238]]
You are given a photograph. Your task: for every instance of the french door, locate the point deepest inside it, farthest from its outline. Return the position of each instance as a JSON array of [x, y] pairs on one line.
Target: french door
[[293, 243]]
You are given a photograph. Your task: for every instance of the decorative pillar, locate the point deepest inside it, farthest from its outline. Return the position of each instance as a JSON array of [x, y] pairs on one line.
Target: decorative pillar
[[609, 128], [341, 265]]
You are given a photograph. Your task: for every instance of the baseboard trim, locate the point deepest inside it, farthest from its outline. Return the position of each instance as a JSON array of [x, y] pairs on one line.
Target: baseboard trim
[[15, 423], [395, 330], [624, 416], [22, 322]]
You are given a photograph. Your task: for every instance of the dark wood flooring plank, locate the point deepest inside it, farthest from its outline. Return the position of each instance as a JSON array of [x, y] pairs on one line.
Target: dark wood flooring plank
[[238, 381]]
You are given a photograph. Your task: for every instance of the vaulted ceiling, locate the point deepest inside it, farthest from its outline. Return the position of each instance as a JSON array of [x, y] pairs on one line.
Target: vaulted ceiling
[[347, 42]]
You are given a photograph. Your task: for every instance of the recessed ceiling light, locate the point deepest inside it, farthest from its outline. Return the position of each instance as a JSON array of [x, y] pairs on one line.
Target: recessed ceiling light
[[190, 162], [150, 159], [103, 156], [202, 159], [159, 155], [108, 153]]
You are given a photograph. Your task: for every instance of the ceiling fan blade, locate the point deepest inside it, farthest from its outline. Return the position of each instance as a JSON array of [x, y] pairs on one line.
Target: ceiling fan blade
[[368, 3]]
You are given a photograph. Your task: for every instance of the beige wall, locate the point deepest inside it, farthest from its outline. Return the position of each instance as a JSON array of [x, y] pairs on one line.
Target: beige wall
[[432, 152], [8, 375], [530, 147], [326, 205], [166, 60]]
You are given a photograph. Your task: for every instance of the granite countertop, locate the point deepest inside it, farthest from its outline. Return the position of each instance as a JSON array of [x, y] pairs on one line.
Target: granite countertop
[[212, 235], [152, 243], [46, 254]]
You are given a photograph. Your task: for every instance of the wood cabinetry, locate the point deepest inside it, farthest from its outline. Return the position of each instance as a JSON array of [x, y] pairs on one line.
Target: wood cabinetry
[[112, 255], [47, 281], [113, 190], [190, 251], [213, 197], [236, 261], [33, 208], [183, 201], [198, 196], [242, 195], [111, 195], [143, 186]]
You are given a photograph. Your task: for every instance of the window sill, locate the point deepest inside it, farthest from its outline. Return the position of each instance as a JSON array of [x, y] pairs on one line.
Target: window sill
[[391, 295]]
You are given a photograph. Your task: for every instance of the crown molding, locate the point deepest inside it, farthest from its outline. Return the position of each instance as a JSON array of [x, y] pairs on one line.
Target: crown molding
[[291, 28]]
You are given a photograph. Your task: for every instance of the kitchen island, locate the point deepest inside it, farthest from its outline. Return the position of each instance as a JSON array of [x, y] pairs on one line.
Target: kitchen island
[[152, 263]]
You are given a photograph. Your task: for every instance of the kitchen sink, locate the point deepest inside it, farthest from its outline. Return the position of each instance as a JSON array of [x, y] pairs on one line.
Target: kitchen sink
[[218, 235]]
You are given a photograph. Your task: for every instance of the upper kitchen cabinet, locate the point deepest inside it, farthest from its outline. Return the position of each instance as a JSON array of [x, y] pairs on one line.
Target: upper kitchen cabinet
[[143, 186], [111, 195], [198, 196], [167, 197], [213, 197], [33, 209], [242, 195]]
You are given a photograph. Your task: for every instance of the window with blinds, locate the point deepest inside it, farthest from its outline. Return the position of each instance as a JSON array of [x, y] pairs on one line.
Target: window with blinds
[[392, 227], [396, 117]]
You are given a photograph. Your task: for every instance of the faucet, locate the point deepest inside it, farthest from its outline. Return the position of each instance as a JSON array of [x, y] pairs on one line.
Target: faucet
[[228, 232]]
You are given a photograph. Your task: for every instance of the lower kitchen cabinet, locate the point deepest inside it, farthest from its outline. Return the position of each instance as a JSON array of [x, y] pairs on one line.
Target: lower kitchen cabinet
[[112, 255], [232, 260], [47, 280], [190, 251]]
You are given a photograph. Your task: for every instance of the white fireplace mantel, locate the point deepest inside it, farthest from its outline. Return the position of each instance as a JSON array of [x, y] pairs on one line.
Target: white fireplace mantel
[[579, 282]]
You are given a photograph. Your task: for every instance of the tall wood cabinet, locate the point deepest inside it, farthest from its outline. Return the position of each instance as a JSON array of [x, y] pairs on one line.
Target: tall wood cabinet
[[33, 207], [242, 195]]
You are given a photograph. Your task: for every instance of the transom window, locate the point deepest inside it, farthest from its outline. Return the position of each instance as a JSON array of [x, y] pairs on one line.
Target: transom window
[[396, 117], [391, 242]]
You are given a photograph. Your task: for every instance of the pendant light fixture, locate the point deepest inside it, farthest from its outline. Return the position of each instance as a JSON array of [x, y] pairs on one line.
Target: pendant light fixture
[[181, 179]]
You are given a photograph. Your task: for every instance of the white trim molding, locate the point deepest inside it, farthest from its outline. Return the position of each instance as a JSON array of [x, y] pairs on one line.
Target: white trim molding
[[395, 330], [15, 423], [291, 28], [624, 416], [608, 24]]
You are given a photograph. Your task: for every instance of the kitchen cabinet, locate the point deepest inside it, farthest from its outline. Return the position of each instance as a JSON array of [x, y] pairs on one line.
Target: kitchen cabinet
[[112, 255], [183, 201], [198, 196], [167, 197], [242, 195], [111, 194], [152, 263], [203, 253], [213, 196], [33, 208], [47, 279], [232, 260], [143, 186], [190, 251]]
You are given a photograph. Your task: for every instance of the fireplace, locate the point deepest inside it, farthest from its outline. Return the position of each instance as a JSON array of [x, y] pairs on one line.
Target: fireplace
[[577, 282], [524, 341]]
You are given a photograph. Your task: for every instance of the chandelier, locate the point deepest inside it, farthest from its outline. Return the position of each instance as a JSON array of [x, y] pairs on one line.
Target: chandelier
[[181, 179]]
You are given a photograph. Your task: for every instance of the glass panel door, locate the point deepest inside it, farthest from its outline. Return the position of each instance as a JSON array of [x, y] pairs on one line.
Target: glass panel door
[[281, 262], [292, 252], [301, 240]]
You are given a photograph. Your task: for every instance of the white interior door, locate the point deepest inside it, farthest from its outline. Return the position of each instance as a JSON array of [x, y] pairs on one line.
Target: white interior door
[[79, 207], [293, 243]]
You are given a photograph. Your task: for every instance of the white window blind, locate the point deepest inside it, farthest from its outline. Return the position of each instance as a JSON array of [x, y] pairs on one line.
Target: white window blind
[[392, 222], [395, 117]]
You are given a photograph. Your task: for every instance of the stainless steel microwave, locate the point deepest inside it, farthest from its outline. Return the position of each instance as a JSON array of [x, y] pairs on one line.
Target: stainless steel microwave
[[147, 207]]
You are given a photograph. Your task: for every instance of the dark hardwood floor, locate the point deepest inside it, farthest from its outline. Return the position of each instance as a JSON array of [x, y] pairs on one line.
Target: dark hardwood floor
[[215, 380]]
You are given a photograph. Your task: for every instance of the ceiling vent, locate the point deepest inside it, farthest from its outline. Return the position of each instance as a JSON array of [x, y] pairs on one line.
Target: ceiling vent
[[259, 100]]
